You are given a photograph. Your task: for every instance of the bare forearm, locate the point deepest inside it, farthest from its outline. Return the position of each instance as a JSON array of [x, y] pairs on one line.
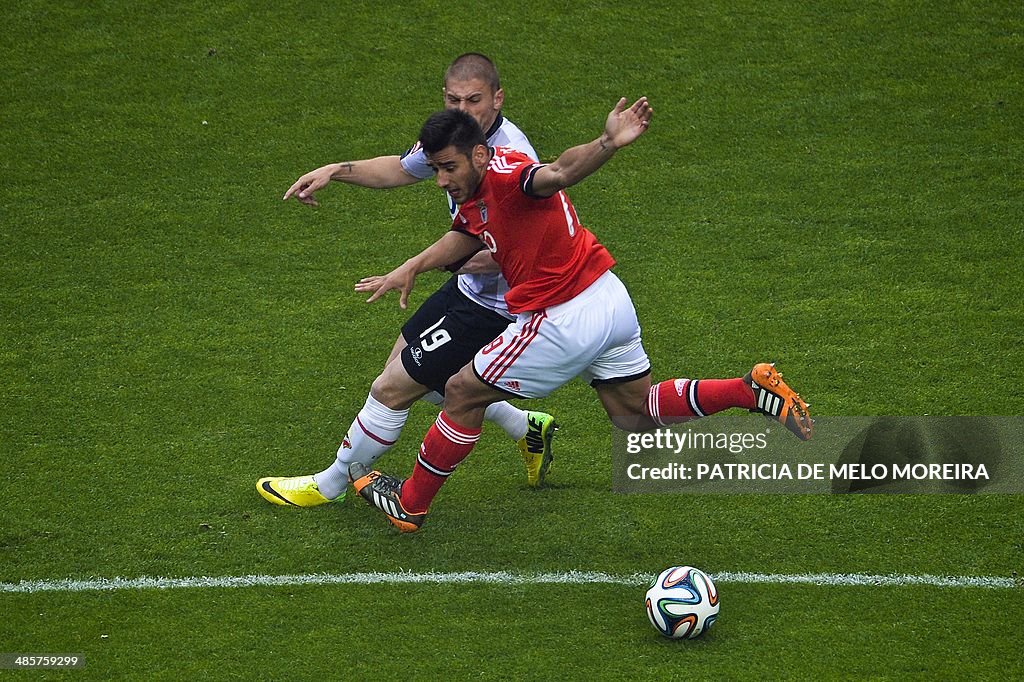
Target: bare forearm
[[448, 249], [452, 247], [576, 163], [480, 263], [381, 172]]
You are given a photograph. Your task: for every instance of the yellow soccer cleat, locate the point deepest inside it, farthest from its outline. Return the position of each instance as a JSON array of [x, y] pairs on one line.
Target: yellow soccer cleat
[[535, 446], [295, 491]]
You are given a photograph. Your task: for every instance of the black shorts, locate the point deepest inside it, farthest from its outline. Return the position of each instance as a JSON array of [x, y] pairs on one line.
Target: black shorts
[[445, 333]]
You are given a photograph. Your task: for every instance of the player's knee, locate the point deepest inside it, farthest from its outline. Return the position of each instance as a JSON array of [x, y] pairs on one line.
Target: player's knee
[[456, 389], [380, 389], [387, 393], [465, 391]]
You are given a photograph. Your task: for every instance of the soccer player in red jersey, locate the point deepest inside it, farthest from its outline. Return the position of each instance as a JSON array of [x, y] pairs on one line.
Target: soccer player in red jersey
[[574, 316], [447, 329]]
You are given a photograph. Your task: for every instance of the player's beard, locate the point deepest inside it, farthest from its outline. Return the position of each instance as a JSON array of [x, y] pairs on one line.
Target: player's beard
[[473, 180]]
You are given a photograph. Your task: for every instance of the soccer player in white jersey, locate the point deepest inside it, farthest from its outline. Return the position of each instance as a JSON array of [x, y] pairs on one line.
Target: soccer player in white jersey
[[574, 316], [446, 331]]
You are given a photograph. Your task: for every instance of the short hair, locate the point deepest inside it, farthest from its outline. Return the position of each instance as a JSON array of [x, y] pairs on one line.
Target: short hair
[[473, 65], [451, 127]]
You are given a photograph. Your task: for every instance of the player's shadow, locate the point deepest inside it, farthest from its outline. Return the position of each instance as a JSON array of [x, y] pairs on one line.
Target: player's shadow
[[902, 441]]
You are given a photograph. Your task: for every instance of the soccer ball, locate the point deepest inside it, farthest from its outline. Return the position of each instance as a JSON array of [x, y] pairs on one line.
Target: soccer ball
[[682, 602]]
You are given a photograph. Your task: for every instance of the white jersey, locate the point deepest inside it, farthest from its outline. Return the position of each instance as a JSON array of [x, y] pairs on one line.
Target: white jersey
[[487, 290]]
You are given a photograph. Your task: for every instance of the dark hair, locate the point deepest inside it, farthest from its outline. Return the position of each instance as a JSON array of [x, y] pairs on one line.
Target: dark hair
[[451, 127], [473, 65]]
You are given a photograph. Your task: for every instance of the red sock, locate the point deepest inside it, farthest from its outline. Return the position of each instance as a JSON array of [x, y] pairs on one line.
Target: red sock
[[679, 400], [445, 445]]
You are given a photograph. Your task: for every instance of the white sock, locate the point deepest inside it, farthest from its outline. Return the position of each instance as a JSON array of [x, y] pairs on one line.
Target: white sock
[[372, 433], [508, 417]]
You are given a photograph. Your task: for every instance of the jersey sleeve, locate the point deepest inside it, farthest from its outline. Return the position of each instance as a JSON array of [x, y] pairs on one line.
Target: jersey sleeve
[[526, 179], [414, 162]]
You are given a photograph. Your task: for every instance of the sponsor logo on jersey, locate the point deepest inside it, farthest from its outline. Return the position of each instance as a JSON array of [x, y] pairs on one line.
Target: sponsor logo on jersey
[[483, 212], [488, 239]]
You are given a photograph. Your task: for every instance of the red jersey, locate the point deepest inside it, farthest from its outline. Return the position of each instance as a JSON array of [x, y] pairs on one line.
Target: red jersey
[[546, 256]]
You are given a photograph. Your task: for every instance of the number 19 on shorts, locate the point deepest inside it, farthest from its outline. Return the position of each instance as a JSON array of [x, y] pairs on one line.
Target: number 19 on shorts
[[433, 337]]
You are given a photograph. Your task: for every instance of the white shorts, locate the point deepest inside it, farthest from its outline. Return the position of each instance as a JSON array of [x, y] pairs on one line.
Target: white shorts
[[595, 336]]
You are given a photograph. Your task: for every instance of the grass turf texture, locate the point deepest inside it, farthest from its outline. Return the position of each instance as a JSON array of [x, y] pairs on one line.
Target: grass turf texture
[[536, 633], [833, 187]]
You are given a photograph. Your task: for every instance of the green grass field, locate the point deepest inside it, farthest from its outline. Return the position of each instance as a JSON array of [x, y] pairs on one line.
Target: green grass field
[[833, 186]]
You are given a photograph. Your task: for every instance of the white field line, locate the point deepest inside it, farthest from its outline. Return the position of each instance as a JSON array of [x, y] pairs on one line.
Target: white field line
[[496, 578]]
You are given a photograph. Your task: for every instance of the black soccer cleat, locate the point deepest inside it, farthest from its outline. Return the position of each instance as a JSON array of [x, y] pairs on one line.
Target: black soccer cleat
[[385, 493]]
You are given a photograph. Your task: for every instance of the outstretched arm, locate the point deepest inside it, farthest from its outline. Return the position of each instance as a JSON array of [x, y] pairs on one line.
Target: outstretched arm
[[481, 262], [622, 127], [382, 172], [452, 247]]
